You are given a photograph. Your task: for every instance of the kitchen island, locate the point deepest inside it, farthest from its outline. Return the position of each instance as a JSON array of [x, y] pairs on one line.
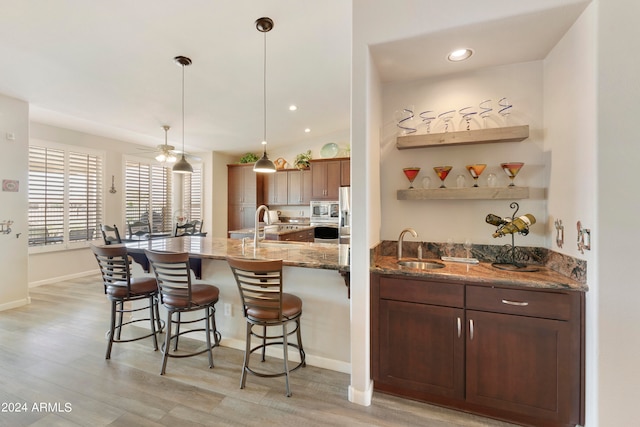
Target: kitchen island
[[312, 271]]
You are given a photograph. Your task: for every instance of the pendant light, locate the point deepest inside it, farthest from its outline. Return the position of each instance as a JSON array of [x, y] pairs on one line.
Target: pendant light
[[182, 166], [264, 165]]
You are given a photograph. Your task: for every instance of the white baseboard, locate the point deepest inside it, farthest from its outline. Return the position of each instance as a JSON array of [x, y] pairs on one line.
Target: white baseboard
[[361, 397], [15, 304], [51, 280]]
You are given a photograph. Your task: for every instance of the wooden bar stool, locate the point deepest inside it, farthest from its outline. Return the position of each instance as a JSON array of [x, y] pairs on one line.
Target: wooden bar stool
[[265, 305], [122, 288], [178, 295]]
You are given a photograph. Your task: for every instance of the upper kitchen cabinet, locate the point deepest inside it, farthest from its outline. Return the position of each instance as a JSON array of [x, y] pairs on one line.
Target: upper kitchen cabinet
[[326, 178], [345, 173], [245, 193], [276, 188], [299, 187]]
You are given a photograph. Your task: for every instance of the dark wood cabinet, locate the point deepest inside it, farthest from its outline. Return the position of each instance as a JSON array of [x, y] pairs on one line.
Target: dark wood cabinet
[[345, 173], [276, 188], [299, 187], [511, 354], [325, 179], [245, 193], [420, 342]]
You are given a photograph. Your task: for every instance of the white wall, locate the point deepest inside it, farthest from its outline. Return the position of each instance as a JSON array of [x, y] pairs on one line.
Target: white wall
[[438, 220], [570, 122], [14, 120], [618, 133]]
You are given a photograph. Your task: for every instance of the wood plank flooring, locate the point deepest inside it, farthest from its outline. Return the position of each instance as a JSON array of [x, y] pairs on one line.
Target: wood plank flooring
[[53, 373]]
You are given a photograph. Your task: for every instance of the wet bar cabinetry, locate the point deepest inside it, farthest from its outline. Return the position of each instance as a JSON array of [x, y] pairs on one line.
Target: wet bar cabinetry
[[511, 353]]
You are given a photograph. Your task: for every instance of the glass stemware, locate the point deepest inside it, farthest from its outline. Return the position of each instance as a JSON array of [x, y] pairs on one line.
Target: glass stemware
[[442, 172], [511, 169], [467, 247], [411, 174], [475, 171]]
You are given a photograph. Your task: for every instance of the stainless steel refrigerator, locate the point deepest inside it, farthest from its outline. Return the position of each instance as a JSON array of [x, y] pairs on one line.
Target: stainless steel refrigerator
[[345, 215]]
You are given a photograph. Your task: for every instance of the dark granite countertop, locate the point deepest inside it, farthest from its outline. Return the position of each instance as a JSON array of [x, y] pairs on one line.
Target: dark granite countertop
[[298, 254], [277, 229], [482, 273]]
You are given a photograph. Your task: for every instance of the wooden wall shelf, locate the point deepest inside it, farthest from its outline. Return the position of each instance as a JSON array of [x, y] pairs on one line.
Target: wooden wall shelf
[[465, 137], [469, 193]]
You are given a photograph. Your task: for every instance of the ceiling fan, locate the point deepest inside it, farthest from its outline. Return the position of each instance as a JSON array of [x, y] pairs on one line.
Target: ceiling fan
[[166, 153]]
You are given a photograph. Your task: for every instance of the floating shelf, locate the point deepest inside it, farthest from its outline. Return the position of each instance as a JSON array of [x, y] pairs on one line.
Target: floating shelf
[[486, 193], [465, 137]]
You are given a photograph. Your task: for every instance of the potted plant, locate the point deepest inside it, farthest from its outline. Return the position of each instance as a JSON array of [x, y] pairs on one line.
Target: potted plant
[[249, 158], [302, 160]]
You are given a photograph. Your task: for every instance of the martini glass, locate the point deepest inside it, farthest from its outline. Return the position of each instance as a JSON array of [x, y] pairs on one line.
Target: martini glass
[[442, 172], [475, 171], [411, 174], [511, 169]]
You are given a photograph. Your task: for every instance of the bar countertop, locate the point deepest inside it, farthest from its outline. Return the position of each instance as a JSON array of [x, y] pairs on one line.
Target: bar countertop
[[482, 273], [298, 254]]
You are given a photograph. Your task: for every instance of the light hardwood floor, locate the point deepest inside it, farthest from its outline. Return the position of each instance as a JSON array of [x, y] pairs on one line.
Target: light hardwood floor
[[52, 368]]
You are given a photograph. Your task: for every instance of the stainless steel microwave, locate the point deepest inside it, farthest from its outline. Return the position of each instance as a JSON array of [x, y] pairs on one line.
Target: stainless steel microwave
[[325, 211]]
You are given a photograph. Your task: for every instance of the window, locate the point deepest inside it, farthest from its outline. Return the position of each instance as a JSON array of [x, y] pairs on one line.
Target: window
[[65, 195], [192, 194], [148, 189]]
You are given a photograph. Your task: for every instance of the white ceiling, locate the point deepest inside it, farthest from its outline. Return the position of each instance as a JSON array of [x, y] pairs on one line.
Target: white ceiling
[[106, 67]]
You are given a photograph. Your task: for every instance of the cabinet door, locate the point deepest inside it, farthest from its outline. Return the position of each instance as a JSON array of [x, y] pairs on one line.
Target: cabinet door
[[523, 365], [420, 348], [325, 180], [345, 173], [235, 181], [276, 188], [299, 187]]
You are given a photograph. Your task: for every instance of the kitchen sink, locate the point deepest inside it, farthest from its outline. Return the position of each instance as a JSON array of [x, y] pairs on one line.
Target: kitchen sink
[[421, 265]]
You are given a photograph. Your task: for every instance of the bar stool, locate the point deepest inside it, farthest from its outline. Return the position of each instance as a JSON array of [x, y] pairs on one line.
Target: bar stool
[[122, 288], [265, 305], [179, 295]]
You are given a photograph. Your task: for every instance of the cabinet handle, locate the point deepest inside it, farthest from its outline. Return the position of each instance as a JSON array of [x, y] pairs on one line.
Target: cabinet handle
[[471, 329], [518, 303], [459, 327]]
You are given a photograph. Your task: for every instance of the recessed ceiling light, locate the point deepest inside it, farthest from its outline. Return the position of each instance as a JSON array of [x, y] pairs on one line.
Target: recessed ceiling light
[[307, 130], [460, 55], [293, 107]]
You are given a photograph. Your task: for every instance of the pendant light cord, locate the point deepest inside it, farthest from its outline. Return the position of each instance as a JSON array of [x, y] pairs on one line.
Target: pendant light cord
[[264, 88], [183, 110]]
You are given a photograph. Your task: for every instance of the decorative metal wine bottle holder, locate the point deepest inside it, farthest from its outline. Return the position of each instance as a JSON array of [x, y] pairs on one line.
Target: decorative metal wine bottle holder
[[511, 257]]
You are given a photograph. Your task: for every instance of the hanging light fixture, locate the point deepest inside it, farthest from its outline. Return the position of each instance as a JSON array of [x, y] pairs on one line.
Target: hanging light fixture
[[166, 150], [264, 165], [182, 166]]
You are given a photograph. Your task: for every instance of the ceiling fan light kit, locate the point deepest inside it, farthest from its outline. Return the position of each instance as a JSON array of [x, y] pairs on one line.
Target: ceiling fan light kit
[[182, 165], [264, 165], [166, 151]]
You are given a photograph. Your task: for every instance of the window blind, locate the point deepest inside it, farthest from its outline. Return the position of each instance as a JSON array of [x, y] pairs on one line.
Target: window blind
[[65, 195], [148, 195], [192, 194]]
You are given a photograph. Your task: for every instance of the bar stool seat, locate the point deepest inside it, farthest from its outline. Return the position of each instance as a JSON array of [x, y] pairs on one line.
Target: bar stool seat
[[180, 296], [121, 287], [266, 306]]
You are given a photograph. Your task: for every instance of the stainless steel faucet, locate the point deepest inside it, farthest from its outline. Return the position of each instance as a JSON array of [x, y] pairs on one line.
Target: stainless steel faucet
[[401, 238], [256, 230]]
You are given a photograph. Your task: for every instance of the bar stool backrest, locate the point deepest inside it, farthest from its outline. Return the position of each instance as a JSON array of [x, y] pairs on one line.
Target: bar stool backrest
[[260, 286], [114, 266], [173, 277], [110, 235]]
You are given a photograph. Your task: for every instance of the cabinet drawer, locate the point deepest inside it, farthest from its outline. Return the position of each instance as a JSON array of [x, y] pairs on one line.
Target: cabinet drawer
[[550, 305], [422, 291]]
